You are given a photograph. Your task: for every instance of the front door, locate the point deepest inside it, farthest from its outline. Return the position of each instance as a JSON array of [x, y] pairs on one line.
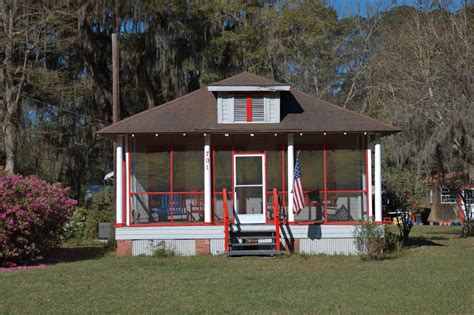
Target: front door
[[249, 188]]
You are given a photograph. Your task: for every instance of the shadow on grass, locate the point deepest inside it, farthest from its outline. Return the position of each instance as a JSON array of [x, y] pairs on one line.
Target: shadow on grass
[[72, 254], [447, 232], [422, 241]]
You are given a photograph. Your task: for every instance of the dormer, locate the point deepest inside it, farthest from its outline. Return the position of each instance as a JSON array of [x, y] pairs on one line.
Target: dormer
[[248, 98]]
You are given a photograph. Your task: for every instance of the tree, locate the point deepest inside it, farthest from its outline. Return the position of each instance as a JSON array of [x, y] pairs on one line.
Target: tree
[[29, 31], [422, 83], [405, 190]]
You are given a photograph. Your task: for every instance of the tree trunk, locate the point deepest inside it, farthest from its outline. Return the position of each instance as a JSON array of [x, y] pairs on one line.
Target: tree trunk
[[11, 95], [10, 132], [11, 122]]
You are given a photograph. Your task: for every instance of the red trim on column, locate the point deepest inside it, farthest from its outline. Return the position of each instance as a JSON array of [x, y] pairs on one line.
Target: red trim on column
[[276, 217], [232, 194], [171, 180], [248, 101], [367, 183], [226, 220], [129, 149], [325, 185], [283, 186], [213, 186], [232, 147], [265, 185], [124, 185]]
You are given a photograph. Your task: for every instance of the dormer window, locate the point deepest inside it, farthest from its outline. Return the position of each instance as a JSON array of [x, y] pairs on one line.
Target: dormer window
[[252, 100], [249, 108]]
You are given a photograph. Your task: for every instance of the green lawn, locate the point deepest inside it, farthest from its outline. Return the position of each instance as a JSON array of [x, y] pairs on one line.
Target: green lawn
[[436, 277]]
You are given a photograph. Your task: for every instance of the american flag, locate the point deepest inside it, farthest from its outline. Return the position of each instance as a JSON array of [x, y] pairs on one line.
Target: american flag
[[298, 196]]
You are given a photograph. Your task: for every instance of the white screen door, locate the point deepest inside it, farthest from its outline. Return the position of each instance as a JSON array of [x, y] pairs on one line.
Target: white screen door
[[249, 188]]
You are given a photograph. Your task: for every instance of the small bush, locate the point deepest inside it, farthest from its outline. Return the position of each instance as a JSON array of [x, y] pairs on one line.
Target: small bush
[[32, 218], [369, 240], [111, 245], [75, 229], [101, 211], [392, 242], [161, 250], [84, 223]]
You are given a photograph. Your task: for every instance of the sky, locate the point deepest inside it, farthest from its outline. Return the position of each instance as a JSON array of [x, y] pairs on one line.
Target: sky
[[346, 8]]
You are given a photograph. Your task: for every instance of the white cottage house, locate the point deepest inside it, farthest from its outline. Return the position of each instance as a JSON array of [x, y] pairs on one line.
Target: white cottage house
[[213, 172]]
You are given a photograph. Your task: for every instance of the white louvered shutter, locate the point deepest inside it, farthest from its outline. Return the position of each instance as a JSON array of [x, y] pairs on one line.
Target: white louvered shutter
[[227, 109], [273, 112], [258, 108], [240, 108]]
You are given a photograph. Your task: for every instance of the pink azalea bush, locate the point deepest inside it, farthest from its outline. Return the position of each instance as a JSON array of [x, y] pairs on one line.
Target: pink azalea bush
[[32, 216]]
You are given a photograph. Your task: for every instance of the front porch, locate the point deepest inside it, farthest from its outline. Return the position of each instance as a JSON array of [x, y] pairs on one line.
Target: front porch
[[178, 181]]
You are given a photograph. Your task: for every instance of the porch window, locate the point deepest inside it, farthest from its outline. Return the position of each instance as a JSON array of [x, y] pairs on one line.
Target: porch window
[[334, 179], [222, 179], [448, 196], [312, 168], [276, 176], [167, 180], [469, 195]]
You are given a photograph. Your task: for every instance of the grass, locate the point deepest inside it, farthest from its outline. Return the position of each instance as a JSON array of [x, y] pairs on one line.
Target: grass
[[434, 275]]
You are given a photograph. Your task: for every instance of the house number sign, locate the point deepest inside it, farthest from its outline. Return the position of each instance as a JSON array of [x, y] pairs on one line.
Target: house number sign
[[207, 160]]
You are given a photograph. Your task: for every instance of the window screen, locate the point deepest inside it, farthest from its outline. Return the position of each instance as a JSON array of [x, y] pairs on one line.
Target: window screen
[[448, 196]]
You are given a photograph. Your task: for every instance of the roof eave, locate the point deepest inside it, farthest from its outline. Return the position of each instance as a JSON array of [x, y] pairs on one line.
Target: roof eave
[[248, 88], [269, 131]]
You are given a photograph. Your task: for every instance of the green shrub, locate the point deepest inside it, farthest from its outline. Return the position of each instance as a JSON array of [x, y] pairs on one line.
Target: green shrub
[[84, 223], [111, 244], [392, 242], [161, 250], [369, 240], [75, 229], [101, 211]]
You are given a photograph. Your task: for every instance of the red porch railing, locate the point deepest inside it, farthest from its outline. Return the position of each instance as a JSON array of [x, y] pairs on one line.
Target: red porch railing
[[226, 220], [276, 216], [281, 195], [167, 207]]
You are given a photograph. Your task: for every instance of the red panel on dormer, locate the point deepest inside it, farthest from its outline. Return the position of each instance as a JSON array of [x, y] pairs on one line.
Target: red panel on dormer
[[249, 108]]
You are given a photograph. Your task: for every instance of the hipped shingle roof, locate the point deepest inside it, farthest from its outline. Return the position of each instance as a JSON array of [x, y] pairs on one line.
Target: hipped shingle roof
[[196, 112]]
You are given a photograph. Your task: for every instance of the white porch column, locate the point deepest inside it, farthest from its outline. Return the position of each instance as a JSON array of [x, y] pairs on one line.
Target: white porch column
[[207, 178], [119, 180], [378, 179], [291, 166], [127, 179], [369, 178]]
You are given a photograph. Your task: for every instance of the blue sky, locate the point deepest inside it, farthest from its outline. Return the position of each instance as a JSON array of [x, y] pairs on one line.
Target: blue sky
[[346, 8]]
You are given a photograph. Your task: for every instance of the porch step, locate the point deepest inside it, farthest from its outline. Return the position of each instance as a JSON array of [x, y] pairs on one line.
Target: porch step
[[256, 252], [262, 228], [252, 237], [252, 244], [244, 240]]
